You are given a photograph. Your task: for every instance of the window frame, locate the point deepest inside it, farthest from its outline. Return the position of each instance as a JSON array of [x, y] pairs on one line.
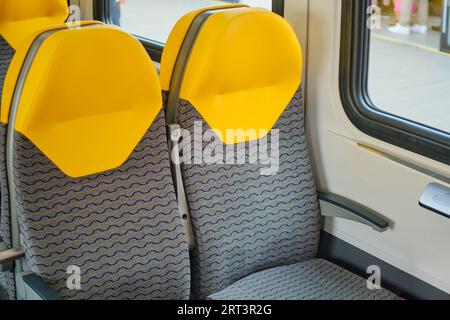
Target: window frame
[[445, 36], [155, 48], [353, 86]]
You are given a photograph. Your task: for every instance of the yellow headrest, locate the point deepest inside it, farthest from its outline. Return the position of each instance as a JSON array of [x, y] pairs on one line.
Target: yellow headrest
[[19, 18], [89, 97], [18, 60], [176, 37], [244, 69]]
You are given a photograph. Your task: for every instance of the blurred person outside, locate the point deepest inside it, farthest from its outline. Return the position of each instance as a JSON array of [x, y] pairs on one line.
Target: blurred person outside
[[115, 10], [406, 8]]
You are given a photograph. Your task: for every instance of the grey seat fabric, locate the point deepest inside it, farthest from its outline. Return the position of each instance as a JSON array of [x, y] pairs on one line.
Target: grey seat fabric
[[7, 286], [244, 222], [314, 279], [121, 227]]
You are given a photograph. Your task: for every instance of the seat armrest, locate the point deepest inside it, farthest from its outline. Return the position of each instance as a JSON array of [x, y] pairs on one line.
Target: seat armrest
[[8, 256], [39, 288], [339, 207], [34, 286]]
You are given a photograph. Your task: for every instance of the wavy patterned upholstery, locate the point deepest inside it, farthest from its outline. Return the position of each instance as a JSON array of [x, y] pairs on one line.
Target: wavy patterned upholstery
[[315, 279], [7, 283], [107, 206], [244, 222], [7, 286], [256, 237], [120, 227]]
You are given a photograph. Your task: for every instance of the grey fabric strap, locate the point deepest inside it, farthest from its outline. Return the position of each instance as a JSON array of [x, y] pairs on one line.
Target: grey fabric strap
[[179, 185]]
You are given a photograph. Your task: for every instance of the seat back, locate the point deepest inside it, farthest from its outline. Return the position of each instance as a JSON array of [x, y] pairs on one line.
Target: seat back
[[240, 69], [88, 168], [18, 19]]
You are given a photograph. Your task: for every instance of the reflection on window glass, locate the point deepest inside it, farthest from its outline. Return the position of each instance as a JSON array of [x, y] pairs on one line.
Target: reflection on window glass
[[154, 19], [409, 72]]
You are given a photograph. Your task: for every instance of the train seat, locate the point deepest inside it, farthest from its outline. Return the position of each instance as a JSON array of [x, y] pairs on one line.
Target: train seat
[[234, 75], [87, 167], [18, 18]]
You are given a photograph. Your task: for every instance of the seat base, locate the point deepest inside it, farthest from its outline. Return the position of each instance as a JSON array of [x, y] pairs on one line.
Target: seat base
[[314, 279]]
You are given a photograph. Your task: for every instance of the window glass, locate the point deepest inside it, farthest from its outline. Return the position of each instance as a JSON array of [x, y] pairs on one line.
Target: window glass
[[154, 19], [409, 66]]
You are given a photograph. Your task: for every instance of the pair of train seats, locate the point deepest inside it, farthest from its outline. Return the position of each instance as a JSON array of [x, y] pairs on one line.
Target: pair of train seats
[[88, 190]]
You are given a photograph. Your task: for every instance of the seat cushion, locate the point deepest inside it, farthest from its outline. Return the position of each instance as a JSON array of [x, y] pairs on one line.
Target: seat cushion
[[314, 279]]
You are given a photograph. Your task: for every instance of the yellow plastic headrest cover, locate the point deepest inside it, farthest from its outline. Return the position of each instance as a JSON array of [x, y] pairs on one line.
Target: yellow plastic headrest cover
[[90, 96], [244, 69], [18, 60], [19, 18]]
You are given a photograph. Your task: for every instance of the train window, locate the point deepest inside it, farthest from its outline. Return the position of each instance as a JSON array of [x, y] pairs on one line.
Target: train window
[[394, 72], [152, 20], [408, 69]]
